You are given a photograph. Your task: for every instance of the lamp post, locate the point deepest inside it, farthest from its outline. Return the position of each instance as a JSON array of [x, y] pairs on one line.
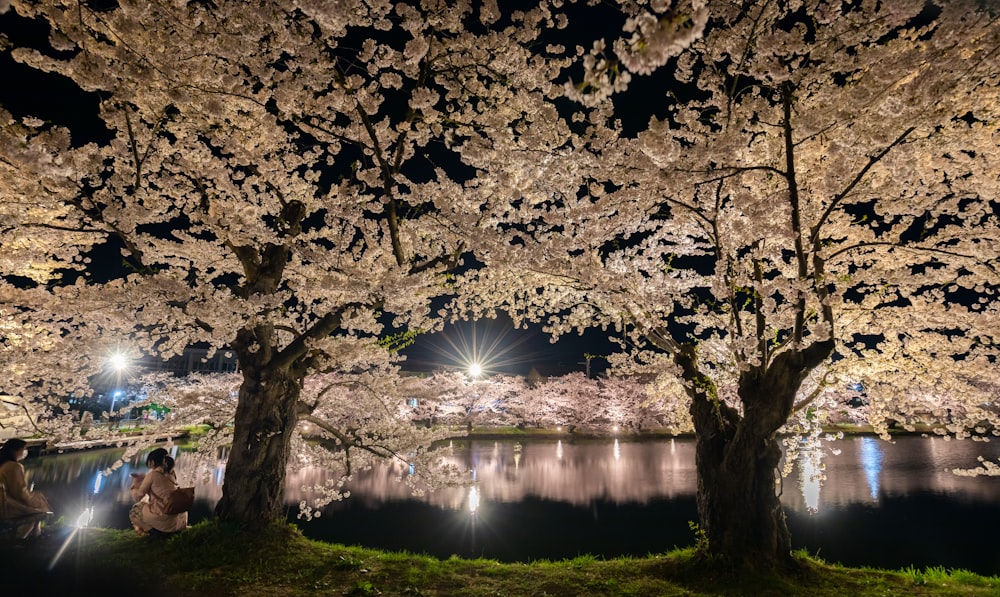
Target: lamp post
[[114, 398], [119, 363]]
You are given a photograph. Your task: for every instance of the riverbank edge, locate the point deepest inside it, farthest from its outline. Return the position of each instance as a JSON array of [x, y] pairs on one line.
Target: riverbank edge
[[213, 559], [40, 447], [498, 433]]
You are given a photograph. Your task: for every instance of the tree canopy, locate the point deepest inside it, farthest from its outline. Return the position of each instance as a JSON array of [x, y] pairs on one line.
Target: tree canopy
[[292, 183], [277, 180], [812, 205]]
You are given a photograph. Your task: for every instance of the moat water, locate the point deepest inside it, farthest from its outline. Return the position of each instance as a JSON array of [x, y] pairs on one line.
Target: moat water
[[864, 502]]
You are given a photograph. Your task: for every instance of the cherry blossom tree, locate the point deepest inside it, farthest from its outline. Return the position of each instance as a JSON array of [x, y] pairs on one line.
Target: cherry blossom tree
[[290, 181], [278, 179], [480, 401], [556, 402], [813, 203], [637, 405]]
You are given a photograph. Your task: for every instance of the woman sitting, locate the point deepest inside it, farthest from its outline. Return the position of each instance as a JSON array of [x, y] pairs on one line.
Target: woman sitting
[[150, 492], [18, 501]]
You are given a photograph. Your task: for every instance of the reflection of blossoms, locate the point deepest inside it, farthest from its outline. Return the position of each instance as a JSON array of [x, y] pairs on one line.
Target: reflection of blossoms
[[987, 468], [509, 472]]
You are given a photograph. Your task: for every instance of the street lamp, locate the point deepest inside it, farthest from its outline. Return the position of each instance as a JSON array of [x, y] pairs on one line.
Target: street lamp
[[114, 398], [118, 362]]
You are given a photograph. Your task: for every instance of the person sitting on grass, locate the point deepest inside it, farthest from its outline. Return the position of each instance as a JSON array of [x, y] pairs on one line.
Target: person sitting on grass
[[150, 490], [19, 501]]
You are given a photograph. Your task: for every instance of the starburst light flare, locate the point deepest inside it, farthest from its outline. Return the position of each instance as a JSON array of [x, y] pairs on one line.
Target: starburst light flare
[[118, 361], [480, 350]]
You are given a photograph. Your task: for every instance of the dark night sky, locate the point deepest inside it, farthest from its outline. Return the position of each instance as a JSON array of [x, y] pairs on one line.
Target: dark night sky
[[504, 349]]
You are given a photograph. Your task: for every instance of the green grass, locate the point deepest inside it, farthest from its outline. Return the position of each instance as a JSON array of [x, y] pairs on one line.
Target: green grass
[[212, 559]]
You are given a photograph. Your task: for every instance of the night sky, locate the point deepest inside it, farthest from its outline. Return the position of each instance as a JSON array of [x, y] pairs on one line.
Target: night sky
[[506, 350]]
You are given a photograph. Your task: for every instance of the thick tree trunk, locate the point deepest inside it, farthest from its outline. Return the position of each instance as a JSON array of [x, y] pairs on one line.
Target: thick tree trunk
[[737, 456], [253, 492], [738, 504], [254, 487]]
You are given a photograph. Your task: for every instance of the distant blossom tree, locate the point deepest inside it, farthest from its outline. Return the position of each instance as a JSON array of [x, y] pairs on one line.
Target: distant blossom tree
[[566, 401], [812, 203], [639, 405], [578, 403], [483, 402]]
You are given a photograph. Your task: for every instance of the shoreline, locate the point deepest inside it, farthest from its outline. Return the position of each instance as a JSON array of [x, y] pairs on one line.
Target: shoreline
[[497, 433], [40, 447]]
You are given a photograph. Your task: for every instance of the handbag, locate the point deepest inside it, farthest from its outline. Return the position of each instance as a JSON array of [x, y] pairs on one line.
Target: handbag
[[179, 500]]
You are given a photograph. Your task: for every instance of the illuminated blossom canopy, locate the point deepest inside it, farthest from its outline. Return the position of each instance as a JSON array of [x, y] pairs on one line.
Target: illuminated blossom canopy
[[811, 206], [287, 181]]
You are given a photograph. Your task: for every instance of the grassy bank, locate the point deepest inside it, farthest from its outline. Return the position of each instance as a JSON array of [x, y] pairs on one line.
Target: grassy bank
[[209, 559]]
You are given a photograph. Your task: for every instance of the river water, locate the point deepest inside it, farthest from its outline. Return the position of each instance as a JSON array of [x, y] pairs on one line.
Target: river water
[[867, 502]]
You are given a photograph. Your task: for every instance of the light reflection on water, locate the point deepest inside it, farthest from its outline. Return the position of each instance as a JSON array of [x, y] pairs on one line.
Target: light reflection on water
[[871, 461], [598, 487], [638, 472], [578, 472]]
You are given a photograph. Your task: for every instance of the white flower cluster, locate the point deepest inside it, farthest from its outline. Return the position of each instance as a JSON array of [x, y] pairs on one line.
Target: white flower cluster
[[658, 37], [655, 38]]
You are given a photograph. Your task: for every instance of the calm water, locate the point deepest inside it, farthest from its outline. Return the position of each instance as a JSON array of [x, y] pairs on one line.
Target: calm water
[[880, 504]]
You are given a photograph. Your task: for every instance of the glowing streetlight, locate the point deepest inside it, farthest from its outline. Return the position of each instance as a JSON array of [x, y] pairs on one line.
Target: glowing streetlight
[[114, 398], [118, 361]]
